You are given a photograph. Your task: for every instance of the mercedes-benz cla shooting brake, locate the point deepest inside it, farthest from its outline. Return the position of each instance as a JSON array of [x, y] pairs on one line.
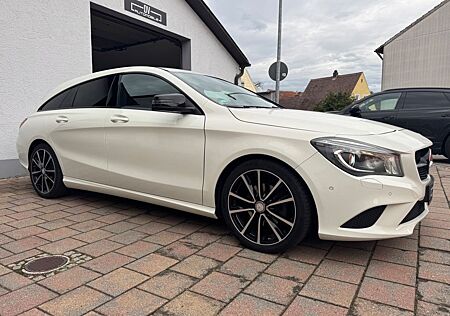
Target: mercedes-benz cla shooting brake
[[202, 145]]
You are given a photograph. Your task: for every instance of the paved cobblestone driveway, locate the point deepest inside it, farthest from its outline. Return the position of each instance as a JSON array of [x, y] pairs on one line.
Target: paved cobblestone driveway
[[147, 259]]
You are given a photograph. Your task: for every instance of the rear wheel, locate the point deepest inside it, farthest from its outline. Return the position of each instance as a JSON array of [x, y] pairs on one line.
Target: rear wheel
[[266, 206], [45, 172]]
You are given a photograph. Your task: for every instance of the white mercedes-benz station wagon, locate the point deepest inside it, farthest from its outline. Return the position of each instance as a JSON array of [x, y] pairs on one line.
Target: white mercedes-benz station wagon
[[203, 145]]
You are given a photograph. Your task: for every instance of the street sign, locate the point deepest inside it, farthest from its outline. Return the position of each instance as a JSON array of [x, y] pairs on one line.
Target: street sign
[[273, 71]]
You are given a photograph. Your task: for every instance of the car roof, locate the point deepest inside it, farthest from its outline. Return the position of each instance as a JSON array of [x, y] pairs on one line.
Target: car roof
[[416, 89]]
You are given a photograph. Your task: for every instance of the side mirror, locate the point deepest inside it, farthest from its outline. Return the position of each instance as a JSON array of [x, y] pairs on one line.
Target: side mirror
[[355, 111], [174, 102]]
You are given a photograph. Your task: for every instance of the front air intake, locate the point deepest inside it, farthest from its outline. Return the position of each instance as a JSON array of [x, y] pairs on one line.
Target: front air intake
[[365, 219], [415, 212]]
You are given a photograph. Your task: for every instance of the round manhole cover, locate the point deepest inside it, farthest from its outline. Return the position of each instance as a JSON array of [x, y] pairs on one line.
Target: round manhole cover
[[45, 264]]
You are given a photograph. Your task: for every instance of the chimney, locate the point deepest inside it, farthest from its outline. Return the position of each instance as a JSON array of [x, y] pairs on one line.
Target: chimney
[[335, 74]]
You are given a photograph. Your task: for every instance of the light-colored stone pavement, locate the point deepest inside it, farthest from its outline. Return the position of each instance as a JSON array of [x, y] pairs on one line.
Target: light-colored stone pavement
[[146, 259]]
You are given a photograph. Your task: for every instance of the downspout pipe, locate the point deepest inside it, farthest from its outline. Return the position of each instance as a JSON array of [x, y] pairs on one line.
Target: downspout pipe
[[239, 75]]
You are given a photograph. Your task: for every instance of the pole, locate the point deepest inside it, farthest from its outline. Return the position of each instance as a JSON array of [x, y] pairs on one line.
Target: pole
[[278, 77]]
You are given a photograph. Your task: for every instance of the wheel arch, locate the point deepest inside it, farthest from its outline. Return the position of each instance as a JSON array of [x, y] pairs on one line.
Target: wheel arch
[[233, 164]]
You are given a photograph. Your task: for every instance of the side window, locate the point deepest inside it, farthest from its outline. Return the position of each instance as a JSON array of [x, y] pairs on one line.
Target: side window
[[421, 100], [136, 91], [94, 93], [62, 100], [383, 102]]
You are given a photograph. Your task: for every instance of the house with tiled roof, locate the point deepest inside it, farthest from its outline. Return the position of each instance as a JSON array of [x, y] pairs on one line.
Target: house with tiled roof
[[354, 84]]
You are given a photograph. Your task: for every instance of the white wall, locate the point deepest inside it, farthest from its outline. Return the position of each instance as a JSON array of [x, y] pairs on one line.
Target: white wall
[[421, 56], [47, 42]]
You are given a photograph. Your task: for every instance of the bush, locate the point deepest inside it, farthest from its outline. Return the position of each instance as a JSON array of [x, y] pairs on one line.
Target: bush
[[334, 102]]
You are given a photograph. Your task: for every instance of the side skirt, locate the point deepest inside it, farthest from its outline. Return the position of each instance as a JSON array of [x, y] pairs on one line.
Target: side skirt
[[143, 197]]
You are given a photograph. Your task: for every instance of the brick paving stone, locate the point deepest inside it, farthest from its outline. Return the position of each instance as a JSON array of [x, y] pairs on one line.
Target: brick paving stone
[[341, 271], [128, 237], [164, 238], [306, 306], [200, 239], [4, 253], [70, 279], [141, 219], [435, 232], [58, 234], [388, 293], [87, 225], [400, 243], [5, 228], [54, 215], [152, 264], [349, 255], [395, 255], [93, 235], [25, 207], [273, 288], [138, 249], [290, 269], [248, 305], [118, 281], [196, 266], [306, 254], [62, 246], [168, 284], [108, 262], [24, 244], [259, 256], [4, 270], [229, 240], [435, 243], [13, 281], [220, 286], [363, 245], [435, 223], [112, 218], [5, 239], [133, 303], [152, 228], [426, 309], [34, 312], [83, 217], [99, 248], [243, 267], [434, 256], [75, 302], [434, 292], [24, 299], [25, 232], [20, 256], [185, 228], [220, 252], [336, 292], [179, 250], [59, 223], [364, 307], [192, 304], [435, 272], [120, 227], [392, 272], [26, 222]]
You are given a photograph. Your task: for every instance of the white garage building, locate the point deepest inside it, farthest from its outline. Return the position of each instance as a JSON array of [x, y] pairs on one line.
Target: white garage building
[[419, 56], [45, 43]]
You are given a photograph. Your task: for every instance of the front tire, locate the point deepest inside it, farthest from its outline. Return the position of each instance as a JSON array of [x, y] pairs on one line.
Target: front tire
[[266, 205], [45, 173]]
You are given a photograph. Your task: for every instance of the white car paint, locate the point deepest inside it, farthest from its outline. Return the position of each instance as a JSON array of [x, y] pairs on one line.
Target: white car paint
[[176, 160]]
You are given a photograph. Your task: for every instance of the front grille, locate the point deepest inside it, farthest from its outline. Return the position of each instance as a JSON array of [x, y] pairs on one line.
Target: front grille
[[423, 162], [417, 209], [365, 219]]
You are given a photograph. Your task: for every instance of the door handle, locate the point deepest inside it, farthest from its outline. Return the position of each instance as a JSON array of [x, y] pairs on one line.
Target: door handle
[[62, 119], [119, 119]]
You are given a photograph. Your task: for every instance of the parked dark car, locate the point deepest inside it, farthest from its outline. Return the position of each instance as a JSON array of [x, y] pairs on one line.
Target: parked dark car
[[422, 110]]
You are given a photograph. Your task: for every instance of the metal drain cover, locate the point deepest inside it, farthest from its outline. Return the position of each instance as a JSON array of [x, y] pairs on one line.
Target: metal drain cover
[[45, 264]]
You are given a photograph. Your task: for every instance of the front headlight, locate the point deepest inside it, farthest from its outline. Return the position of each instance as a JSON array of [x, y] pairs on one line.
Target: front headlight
[[358, 158]]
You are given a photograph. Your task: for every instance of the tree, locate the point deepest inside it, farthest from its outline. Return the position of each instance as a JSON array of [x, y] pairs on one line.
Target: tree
[[334, 102]]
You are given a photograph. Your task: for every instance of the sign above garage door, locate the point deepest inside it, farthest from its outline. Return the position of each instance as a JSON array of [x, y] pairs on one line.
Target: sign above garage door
[[146, 11]]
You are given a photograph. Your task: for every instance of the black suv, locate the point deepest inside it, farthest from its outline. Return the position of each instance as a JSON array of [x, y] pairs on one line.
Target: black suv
[[422, 110]]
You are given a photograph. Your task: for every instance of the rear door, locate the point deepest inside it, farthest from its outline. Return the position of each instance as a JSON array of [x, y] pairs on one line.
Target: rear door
[[427, 113], [79, 134], [381, 107]]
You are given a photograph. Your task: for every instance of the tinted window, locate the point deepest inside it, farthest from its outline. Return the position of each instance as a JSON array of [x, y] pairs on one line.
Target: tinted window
[[138, 90], [420, 100], [62, 100], [383, 102], [93, 93]]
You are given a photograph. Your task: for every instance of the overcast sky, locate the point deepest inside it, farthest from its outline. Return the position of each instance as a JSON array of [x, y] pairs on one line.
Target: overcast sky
[[318, 35]]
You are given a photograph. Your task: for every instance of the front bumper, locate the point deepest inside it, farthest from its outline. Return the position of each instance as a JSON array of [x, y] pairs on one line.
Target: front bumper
[[339, 197]]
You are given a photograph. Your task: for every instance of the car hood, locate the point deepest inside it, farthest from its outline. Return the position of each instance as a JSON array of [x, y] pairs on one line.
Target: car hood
[[327, 123]]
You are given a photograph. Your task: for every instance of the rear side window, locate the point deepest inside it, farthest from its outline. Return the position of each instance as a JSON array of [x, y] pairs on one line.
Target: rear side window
[[94, 93], [422, 100], [381, 102], [62, 100]]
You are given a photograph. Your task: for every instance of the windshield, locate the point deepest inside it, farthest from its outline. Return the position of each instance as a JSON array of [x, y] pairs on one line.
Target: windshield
[[223, 92]]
